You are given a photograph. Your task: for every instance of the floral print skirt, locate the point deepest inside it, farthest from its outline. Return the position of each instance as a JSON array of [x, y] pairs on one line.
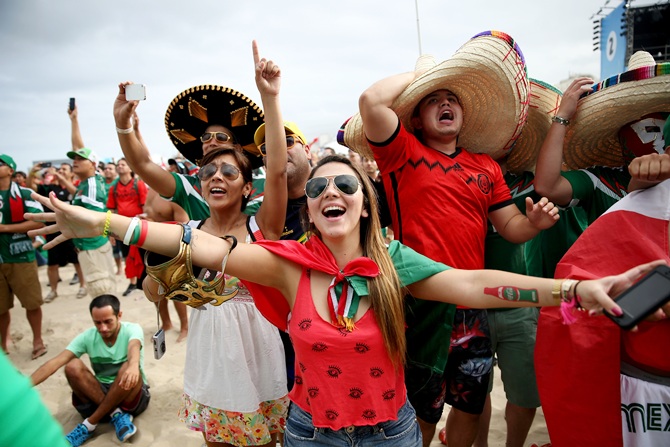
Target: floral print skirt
[[239, 429]]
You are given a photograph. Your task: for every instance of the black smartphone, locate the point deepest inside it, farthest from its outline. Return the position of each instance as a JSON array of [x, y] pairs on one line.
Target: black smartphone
[[71, 104], [642, 298], [46, 164]]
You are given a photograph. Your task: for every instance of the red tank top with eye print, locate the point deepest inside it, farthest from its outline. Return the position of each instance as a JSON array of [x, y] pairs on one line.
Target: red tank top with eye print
[[342, 378]]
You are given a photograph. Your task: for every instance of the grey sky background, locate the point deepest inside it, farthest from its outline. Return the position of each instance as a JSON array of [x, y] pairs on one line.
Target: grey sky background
[[329, 52]]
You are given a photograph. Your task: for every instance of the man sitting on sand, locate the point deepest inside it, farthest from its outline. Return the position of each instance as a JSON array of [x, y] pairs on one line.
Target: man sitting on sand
[[117, 387]]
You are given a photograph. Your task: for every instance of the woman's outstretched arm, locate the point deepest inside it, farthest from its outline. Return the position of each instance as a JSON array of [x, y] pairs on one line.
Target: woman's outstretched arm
[[493, 288], [248, 262]]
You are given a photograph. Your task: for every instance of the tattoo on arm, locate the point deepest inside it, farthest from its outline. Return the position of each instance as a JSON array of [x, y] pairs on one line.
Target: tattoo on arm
[[510, 293]]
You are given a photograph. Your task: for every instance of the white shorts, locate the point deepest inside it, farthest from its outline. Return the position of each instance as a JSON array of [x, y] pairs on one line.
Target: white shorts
[[645, 413]]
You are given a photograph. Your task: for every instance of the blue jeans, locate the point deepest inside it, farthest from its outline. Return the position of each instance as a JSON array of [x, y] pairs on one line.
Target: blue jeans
[[403, 432]]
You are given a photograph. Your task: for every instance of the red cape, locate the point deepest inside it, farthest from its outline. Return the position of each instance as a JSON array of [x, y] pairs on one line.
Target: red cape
[[577, 366]]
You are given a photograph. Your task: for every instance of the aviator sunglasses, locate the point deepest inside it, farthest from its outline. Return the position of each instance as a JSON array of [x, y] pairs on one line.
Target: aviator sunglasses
[[291, 140], [221, 137], [345, 183], [228, 171]]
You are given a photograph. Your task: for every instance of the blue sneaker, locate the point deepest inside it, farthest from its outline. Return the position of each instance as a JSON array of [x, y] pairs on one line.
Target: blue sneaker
[[78, 436], [123, 424]]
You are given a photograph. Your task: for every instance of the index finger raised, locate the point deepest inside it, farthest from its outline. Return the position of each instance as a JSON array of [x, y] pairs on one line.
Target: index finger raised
[[254, 47]]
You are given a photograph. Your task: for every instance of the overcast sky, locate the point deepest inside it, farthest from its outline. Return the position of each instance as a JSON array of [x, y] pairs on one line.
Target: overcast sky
[[329, 52]]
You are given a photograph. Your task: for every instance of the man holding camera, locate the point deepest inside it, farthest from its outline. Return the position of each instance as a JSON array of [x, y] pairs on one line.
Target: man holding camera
[[116, 389]]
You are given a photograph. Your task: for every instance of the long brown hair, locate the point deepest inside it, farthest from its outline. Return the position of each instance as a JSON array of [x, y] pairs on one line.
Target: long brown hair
[[385, 292]]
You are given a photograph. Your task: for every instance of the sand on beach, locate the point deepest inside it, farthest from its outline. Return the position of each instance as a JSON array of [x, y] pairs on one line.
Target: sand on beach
[[158, 426]]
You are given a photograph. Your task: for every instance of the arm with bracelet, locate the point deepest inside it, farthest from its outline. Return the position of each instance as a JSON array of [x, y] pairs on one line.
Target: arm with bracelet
[[472, 288]]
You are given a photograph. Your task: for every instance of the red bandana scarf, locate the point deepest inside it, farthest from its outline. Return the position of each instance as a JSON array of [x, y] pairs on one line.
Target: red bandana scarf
[[344, 290]]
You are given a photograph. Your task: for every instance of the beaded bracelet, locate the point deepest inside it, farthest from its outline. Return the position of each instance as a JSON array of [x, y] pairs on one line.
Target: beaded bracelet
[[108, 221]]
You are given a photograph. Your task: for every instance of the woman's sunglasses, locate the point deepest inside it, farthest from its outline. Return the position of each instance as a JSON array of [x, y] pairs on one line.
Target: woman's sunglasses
[[221, 137], [228, 171], [291, 140], [346, 183]]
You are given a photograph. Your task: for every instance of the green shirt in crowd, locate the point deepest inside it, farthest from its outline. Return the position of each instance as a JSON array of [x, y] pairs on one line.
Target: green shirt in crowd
[[107, 360], [91, 194], [25, 419], [16, 247]]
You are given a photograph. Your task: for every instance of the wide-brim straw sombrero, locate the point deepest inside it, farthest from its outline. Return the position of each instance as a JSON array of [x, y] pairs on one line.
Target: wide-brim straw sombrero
[[592, 137], [544, 102], [488, 75], [193, 110]]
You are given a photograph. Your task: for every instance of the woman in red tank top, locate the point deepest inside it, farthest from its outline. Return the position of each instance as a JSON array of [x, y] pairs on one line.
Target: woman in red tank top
[[345, 290]]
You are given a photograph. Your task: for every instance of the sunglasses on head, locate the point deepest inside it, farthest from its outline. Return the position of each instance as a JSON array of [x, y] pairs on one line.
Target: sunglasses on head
[[228, 171], [345, 183], [291, 140], [221, 137]]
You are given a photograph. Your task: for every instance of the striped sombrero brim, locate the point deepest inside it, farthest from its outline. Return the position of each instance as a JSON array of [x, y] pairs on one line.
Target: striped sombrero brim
[[592, 138]]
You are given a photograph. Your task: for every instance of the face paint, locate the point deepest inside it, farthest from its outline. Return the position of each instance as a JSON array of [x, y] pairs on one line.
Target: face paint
[[509, 293], [643, 137]]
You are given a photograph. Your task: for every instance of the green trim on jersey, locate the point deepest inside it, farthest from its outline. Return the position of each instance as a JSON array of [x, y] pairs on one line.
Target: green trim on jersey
[[597, 188], [91, 194], [187, 194]]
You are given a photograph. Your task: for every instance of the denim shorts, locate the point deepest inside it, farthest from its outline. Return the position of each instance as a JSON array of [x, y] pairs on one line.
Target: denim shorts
[[405, 432]]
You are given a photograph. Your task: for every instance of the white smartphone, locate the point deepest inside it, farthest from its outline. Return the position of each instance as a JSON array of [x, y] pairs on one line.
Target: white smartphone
[[136, 92]]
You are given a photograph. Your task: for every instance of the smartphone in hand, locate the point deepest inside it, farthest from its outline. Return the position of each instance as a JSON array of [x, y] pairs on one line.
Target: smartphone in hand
[[642, 298], [71, 104], [136, 92]]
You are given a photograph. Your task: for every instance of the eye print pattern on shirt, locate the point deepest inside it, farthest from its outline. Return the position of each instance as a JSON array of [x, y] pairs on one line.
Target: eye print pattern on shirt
[[343, 331], [369, 414], [376, 373], [332, 415], [298, 380], [388, 394], [302, 367], [355, 393], [361, 348], [305, 324], [313, 392], [333, 371], [319, 347]]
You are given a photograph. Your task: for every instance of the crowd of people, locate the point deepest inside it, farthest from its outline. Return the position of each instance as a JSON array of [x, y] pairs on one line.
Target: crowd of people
[[344, 300]]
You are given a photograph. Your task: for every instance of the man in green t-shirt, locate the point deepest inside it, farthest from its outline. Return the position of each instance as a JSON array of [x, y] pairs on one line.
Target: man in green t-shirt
[[18, 269], [94, 253], [116, 387]]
